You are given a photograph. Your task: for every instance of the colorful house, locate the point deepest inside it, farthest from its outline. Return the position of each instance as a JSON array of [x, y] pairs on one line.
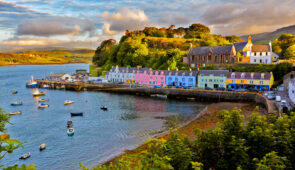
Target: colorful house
[[122, 75], [149, 77], [212, 78], [181, 78], [245, 80]]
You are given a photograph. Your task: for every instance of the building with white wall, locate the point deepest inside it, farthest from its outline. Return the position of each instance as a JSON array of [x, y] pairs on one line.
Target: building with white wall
[[261, 54], [291, 91], [121, 75]]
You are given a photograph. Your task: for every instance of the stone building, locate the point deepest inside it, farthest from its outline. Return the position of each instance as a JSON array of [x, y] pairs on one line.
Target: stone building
[[202, 56]]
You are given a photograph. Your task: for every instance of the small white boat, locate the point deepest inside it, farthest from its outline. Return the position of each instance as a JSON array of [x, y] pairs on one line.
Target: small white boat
[[68, 102], [37, 93], [70, 131], [15, 113], [45, 86], [43, 106], [42, 146], [25, 156], [16, 103], [43, 100]]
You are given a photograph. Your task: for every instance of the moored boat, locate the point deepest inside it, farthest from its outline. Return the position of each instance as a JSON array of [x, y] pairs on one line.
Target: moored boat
[[16, 103], [14, 92], [42, 146], [43, 106], [70, 131], [104, 108], [77, 114], [70, 124], [43, 100], [45, 86], [37, 93], [25, 156], [15, 113], [68, 102], [32, 83]]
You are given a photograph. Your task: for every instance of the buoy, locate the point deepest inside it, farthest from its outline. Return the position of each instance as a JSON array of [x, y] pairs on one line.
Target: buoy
[[42, 146]]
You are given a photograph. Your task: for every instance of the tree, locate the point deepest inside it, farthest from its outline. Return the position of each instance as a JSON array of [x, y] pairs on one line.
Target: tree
[[272, 161], [101, 54], [234, 39], [199, 28], [290, 52]]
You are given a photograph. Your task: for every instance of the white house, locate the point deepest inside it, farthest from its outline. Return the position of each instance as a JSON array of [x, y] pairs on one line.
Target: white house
[[121, 75], [261, 54], [61, 76], [291, 91]]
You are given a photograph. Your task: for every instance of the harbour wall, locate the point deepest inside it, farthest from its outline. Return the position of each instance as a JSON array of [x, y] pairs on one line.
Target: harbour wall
[[183, 94]]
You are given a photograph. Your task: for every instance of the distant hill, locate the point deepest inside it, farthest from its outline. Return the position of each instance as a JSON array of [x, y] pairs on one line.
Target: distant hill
[[264, 38], [48, 55]]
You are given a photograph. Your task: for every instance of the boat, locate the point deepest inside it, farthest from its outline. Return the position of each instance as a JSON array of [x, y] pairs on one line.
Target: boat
[[160, 96], [16, 103], [104, 108], [37, 93], [32, 83], [77, 114], [14, 92], [70, 124], [68, 102], [70, 131], [43, 100], [25, 156], [15, 113], [43, 106], [45, 86], [42, 146]]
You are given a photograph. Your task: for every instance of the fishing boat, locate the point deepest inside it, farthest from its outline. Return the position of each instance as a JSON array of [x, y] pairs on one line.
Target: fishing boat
[[104, 108], [15, 113], [45, 86], [68, 102], [32, 83], [16, 103], [77, 114], [25, 156], [42, 146], [70, 131], [43, 106], [43, 100], [70, 124], [37, 93], [14, 92]]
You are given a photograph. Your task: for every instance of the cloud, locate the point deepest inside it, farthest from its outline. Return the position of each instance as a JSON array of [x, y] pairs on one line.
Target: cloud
[[125, 18], [33, 42], [51, 26], [245, 17]]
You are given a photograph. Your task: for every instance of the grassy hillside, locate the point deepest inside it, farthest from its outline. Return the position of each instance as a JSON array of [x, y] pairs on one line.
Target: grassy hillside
[[47, 56], [264, 38]]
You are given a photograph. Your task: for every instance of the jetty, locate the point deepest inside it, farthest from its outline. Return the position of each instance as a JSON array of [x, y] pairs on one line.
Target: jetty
[[175, 93]]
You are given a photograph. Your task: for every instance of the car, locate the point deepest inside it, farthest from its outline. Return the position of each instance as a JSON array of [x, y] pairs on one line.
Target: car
[[241, 90], [253, 90], [283, 103], [230, 89], [271, 97], [220, 89], [278, 98], [208, 88]]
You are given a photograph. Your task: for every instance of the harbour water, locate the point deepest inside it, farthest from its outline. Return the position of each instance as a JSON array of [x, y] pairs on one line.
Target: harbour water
[[99, 135]]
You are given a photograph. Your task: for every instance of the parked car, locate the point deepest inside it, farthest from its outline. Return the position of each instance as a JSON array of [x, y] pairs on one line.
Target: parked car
[[241, 90], [271, 97], [278, 98], [230, 89], [208, 88], [283, 103], [220, 89], [253, 90]]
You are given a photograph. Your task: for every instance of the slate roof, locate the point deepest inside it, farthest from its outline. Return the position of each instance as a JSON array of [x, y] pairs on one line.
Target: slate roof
[[260, 48], [214, 50], [58, 74], [240, 46], [124, 69], [256, 76], [182, 73], [214, 72]]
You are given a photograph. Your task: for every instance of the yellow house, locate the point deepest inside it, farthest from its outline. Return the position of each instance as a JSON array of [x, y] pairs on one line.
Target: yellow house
[[244, 48], [246, 80]]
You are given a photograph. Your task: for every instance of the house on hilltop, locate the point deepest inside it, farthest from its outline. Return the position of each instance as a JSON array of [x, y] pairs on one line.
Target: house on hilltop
[[202, 56]]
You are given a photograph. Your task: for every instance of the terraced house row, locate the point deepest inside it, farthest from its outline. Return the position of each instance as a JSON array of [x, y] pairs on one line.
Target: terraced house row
[[191, 79]]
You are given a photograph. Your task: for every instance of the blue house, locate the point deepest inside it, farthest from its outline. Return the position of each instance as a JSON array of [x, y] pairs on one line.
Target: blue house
[[181, 78]]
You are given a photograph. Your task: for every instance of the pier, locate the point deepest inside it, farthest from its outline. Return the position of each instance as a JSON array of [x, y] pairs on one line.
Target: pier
[[175, 93]]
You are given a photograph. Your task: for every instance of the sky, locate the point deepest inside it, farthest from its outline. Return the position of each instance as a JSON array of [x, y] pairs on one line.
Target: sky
[[28, 24]]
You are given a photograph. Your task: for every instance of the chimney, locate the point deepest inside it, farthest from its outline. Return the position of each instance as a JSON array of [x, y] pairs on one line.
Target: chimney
[[270, 47], [250, 39]]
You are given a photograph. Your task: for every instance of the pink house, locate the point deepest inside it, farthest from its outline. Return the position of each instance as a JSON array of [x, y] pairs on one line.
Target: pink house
[[149, 77]]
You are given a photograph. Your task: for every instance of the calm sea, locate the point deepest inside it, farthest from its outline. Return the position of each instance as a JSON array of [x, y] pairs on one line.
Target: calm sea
[[98, 135]]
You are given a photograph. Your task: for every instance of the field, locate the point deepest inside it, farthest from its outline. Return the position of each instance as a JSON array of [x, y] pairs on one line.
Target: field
[[47, 57]]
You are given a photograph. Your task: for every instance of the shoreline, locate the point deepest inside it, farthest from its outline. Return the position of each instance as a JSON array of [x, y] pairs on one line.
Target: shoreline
[[206, 119], [3, 65]]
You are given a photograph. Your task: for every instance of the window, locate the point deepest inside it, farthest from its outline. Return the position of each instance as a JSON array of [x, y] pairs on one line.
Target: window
[[151, 78], [261, 82], [232, 75], [260, 53], [210, 80], [183, 79], [233, 81], [292, 91], [242, 81], [169, 78], [202, 80], [254, 60], [251, 82], [254, 54], [161, 78], [221, 81], [190, 79], [202, 75], [176, 79]]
